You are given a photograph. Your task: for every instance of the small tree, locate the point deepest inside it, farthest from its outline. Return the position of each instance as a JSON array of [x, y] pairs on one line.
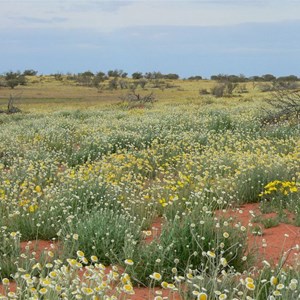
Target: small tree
[[96, 82], [87, 74], [137, 75], [101, 76], [58, 76], [30, 73], [171, 76], [154, 75], [117, 73], [268, 77], [13, 79], [86, 78], [98, 79], [292, 78]]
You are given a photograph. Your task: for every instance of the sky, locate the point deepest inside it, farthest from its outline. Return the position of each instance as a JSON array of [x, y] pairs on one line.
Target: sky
[[203, 37]]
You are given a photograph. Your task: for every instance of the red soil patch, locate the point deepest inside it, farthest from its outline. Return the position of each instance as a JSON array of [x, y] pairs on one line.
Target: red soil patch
[[11, 288], [274, 241], [146, 294], [38, 247], [155, 230], [35, 248]]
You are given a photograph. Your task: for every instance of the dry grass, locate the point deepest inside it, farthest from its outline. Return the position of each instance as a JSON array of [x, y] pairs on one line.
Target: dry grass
[[44, 93]]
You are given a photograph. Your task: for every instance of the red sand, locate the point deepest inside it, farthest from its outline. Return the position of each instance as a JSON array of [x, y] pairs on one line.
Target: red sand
[[155, 230], [270, 246], [274, 241], [39, 246]]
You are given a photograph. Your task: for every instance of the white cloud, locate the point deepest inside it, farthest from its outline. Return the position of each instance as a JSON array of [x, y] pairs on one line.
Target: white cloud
[[110, 15]]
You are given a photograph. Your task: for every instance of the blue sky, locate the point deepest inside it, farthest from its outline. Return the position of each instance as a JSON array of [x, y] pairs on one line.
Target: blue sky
[[203, 37]]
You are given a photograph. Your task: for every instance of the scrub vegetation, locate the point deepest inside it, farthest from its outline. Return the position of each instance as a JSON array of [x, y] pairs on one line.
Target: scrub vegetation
[[90, 161]]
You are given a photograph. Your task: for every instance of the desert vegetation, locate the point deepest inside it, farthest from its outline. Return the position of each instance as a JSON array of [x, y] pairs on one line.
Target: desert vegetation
[[140, 181]]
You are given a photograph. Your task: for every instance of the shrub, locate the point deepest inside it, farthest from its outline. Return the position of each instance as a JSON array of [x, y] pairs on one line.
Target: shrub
[[137, 75], [223, 89], [134, 99], [113, 84], [30, 73], [14, 79], [203, 92], [9, 251], [109, 235], [194, 241]]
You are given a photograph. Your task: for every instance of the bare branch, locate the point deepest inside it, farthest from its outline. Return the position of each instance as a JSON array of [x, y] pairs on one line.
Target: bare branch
[[285, 104]]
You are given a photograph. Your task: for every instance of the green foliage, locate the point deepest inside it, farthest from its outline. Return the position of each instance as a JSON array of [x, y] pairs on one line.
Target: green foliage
[[137, 75], [111, 236], [113, 84], [270, 222], [117, 73], [30, 72], [221, 122], [9, 251], [13, 79], [279, 196], [193, 241], [197, 77]]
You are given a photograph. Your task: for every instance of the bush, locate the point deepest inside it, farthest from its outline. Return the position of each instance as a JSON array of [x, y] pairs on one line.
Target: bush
[[9, 251], [106, 234], [224, 89], [135, 100], [30, 73], [14, 79], [113, 84], [265, 87], [203, 92], [171, 76], [218, 90], [116, 73], [137, 75], [186, 242]]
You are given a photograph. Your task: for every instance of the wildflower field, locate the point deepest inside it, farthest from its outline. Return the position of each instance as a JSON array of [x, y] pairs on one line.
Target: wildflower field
[[94, 178]]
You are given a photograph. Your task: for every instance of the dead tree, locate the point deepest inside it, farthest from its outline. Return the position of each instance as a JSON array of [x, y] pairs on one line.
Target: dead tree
[[134, 97], [11, 109], [285, 104]]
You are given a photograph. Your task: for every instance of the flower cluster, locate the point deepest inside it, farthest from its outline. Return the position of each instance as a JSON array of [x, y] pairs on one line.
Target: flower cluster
[[279, 187]]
